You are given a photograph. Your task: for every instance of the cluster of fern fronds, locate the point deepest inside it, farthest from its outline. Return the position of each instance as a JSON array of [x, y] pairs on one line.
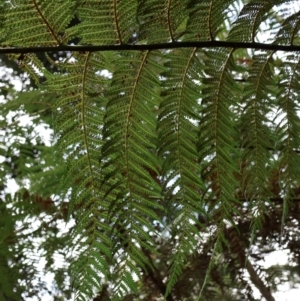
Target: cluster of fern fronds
[[192, 147]]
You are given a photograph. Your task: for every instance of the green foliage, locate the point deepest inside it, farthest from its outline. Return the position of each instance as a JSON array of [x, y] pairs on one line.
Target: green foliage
[[171, 153]]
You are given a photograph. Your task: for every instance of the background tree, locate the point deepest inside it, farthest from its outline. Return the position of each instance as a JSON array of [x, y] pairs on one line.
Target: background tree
[[179, 135]]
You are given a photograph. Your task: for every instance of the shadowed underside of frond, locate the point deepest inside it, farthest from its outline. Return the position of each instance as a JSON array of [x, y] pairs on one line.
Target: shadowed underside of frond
[[170, 137]]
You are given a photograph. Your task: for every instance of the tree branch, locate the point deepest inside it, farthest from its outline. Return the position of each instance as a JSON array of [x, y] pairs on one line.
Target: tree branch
[[237, 247], [258, 282], [156, 279], [141, 47]]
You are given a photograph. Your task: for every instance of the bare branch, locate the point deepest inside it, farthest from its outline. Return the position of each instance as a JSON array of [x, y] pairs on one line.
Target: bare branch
[[141, 47]]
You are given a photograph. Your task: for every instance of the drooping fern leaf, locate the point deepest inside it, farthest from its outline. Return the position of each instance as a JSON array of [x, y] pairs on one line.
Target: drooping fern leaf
[[130, 160], [80, 110], [217, 129], [288, 120], [257, 137], [177, 127]]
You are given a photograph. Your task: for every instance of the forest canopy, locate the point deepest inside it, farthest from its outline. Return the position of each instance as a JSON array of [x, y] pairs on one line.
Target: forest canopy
[[155, 146]]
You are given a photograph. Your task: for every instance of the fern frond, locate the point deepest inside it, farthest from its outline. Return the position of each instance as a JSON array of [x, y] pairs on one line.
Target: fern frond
[[257, 134], [153, 136], [131, 256], [246, 27], [217, 135], [130, 164], [92, 247], [288, 33], [177, 127], [288, 127], [108, 22], [160, 20], [206, 18], [288, 120], [31, 64], [217, 142], [186, 238], [81, 109], [36, 23]]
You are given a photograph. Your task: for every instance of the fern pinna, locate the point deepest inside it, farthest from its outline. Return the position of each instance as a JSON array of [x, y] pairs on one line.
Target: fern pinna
[[167, 146]]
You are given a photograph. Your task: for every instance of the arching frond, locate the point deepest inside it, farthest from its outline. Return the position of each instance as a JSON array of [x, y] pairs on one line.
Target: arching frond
[[250, 18]]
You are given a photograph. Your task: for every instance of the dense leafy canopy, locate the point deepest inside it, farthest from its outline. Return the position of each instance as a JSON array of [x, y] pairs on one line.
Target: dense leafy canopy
[[175, 167]]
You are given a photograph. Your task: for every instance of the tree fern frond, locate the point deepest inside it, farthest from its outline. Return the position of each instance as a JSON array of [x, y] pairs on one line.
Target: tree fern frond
[[93, 251], [81, 108], [288, 127], [256, 133], [131, 258], [160, 20], [206, 18], [288, 120], [111, 22], [177, 123], [177, 127], [217, 135], [186, 238], [288, 33], [36, 23], [216, 250], [130, 120], [31, 64], [250, 18], [130, 162]]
